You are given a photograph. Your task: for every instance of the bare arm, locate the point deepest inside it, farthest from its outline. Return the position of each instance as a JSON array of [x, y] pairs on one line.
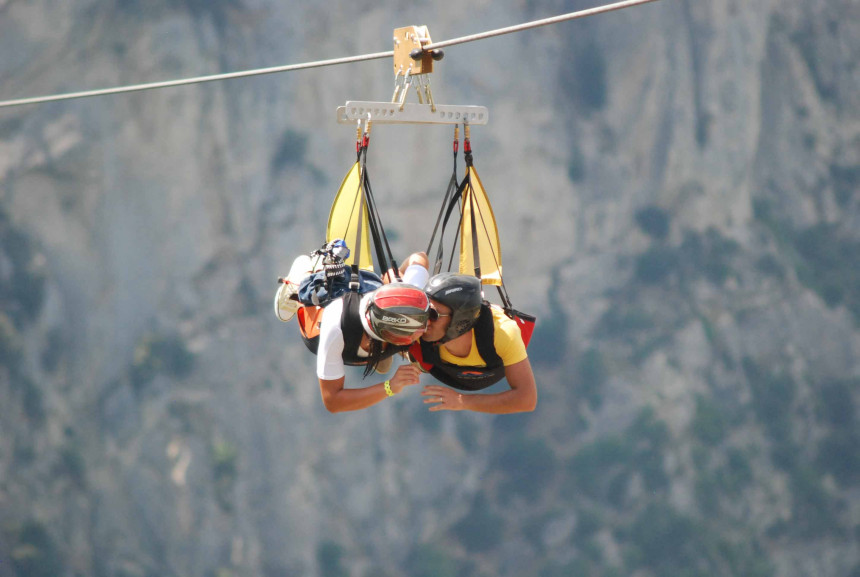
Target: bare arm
[[521, 398], [337, 399], [419, 258]]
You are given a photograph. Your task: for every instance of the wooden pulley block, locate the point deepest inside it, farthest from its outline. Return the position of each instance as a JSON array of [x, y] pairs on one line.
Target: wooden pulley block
[[411, 40]]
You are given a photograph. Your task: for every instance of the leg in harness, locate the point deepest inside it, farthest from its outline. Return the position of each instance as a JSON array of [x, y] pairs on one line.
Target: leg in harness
[[321, 266]]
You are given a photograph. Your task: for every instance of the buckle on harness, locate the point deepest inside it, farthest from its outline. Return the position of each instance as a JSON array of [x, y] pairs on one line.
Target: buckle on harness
[[354, 284]]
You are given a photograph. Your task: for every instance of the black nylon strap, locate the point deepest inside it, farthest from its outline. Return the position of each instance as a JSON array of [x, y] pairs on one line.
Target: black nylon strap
[[384, 257], [453, 203], [351, 327], [357, 248], [383, 250], [453, 198], [446, 203]]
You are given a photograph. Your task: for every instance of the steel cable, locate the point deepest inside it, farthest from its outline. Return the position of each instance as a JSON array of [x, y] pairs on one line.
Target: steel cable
[[322, 63]]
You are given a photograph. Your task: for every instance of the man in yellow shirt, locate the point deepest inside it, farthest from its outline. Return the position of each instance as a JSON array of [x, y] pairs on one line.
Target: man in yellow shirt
[[469, 345]]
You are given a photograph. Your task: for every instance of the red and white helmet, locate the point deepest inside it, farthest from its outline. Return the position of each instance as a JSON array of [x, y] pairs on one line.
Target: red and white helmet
[[397, 311]]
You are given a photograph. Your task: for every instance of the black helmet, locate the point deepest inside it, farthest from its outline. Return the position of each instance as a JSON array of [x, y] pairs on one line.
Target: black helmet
[[463, 295], [397, 311]]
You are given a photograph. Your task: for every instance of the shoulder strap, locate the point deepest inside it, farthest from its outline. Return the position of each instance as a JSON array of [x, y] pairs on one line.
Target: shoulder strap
[[485, 332], [350, 323]]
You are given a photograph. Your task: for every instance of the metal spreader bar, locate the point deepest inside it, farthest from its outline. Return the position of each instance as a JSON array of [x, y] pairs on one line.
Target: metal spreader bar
[[391, 113]]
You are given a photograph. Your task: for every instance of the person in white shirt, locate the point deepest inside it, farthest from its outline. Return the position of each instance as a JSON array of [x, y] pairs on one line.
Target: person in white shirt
[[369, 330]]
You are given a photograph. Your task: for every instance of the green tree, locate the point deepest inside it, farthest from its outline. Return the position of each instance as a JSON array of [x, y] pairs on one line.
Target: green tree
[[481, 529], [34, 553], [528, 466], [329, 558], [709, 423], [430, 561], [654, 221]]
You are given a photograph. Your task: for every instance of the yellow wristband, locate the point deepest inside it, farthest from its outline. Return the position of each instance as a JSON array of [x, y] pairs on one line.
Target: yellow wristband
[[388, 391]]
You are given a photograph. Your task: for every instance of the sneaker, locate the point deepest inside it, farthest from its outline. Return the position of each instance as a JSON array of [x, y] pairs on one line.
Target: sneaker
[[302, 267], [286, 300]]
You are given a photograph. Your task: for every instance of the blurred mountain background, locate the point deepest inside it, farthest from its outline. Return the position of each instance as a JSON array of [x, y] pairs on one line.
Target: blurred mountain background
[[676, 187]]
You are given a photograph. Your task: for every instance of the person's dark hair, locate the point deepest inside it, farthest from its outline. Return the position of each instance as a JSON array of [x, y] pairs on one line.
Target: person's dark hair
[[374, 356], [463, 295]]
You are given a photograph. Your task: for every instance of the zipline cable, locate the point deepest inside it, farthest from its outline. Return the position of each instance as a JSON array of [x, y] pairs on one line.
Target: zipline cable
[[321, 63], [197, 80], [538, 23]]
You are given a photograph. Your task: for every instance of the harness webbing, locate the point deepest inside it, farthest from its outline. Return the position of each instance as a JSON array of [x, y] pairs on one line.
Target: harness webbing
[[384, 257], [449, 203], [454, 195], [357, 247]]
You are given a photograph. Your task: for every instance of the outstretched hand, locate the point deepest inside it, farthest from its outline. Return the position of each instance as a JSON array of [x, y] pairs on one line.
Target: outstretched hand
[[442, 398], [404, 376]]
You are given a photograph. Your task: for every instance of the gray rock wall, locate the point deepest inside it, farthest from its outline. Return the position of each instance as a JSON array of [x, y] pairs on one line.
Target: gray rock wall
[[676, 191]]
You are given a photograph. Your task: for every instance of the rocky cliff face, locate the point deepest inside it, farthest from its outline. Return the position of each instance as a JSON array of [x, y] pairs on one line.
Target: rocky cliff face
[[676, 187]]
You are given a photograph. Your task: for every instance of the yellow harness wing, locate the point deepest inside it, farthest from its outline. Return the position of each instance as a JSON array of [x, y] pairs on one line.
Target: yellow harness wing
[[479, 234], [348, 219]]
